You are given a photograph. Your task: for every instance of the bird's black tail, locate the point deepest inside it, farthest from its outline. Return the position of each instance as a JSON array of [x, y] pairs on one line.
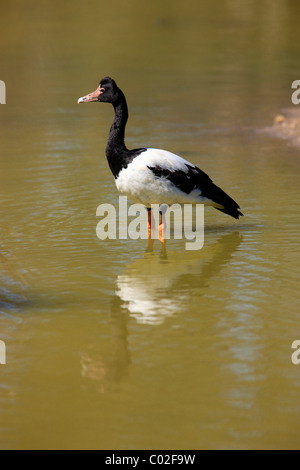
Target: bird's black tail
[[220, 198]]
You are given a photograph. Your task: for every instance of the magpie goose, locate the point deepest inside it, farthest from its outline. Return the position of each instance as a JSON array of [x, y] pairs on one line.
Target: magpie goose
[[152, 176]]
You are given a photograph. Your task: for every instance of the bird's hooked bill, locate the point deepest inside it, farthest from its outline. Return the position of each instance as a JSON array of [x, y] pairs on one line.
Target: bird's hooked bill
[[91, 96]]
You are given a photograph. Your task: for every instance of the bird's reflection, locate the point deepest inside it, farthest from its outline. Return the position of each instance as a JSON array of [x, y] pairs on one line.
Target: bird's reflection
[[12, 282], [161, 284], [104, 371], [151, 289]]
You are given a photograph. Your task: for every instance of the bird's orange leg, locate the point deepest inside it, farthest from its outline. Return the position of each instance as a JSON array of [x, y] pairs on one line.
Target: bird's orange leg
[[151, 222], [162, 228]]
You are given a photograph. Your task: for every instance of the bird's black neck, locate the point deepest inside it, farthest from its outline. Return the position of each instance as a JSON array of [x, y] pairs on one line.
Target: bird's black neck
[[118, 156], [116, 139]]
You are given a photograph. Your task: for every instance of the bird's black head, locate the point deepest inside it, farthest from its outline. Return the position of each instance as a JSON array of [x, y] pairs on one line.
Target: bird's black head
[[107, 92]]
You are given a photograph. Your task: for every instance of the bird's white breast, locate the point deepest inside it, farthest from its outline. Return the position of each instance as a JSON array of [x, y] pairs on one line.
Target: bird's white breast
[[141, 185]]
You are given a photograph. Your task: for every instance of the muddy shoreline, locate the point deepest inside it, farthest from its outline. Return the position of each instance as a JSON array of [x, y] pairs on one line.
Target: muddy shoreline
[[286, 125]]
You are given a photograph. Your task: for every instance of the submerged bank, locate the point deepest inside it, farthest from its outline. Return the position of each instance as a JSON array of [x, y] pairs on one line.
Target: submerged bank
[[286, 125]]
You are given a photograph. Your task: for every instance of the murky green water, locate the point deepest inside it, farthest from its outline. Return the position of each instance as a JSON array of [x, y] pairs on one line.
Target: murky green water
[[111, 345]]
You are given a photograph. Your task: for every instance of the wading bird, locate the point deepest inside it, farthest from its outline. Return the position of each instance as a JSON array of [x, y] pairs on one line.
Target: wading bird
[[153, 176]]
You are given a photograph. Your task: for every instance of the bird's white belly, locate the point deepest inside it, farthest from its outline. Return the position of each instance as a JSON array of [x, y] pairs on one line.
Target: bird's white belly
[[141, 186]]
